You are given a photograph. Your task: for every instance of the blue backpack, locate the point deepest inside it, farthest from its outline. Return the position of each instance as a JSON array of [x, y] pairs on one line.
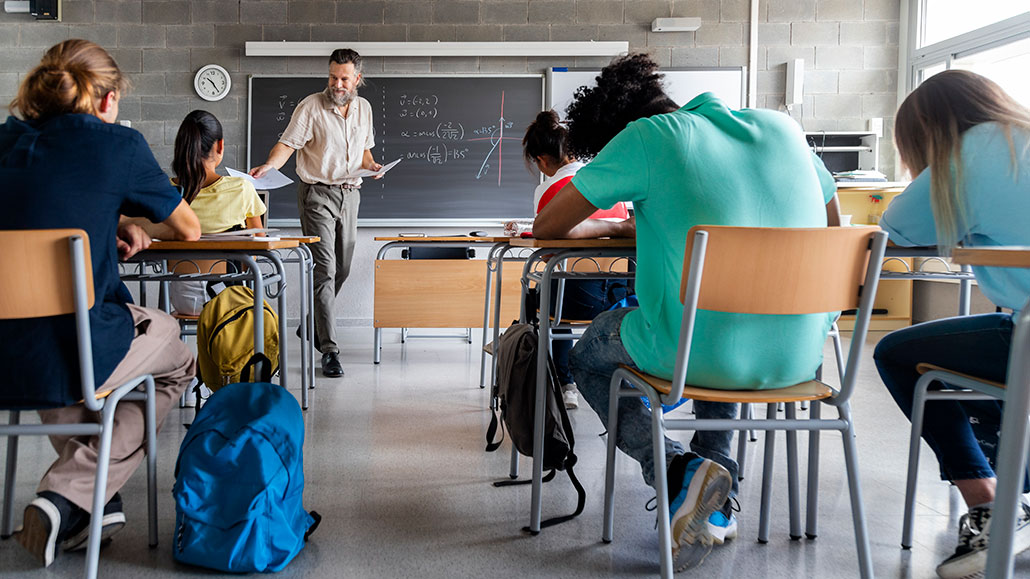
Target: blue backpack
[[239, 482]]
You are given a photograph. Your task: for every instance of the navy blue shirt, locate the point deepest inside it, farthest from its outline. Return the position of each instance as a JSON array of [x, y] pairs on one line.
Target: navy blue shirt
[[74, 171]]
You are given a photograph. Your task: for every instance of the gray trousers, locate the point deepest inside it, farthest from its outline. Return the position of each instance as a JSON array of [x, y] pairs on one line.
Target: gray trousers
[[331, 213]]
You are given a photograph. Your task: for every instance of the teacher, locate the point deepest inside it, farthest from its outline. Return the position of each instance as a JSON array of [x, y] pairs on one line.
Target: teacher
[[332, 134]]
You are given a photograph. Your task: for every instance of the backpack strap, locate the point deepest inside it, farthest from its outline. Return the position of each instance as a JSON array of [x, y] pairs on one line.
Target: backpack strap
[[311, 529], [265, 365], [491, 431]]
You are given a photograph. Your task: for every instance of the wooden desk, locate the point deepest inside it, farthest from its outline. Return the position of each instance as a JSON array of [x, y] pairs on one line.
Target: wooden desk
[[246, 253], [550, 253], [438, 293], [1013, 443]]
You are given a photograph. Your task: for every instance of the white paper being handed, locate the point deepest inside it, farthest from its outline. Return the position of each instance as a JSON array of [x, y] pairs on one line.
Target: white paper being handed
[[367, 173]]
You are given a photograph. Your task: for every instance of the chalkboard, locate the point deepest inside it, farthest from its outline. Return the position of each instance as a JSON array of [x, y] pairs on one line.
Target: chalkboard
[[459, 138], [681, 84]]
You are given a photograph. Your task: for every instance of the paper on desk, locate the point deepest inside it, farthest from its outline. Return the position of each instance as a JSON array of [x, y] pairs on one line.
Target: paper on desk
[[367, 173], [273, 179], [239, 235]]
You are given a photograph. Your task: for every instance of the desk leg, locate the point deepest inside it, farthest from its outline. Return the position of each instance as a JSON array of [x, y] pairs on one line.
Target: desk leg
[[305, 339], [259, 295], [1012, 451], [541, 397], [486, 313], [497, 329], [377, 345], [964, 291], [310, 321]]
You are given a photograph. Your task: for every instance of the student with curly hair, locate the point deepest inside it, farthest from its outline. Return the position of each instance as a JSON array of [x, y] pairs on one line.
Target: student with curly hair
[[702, 163], [967, 143]]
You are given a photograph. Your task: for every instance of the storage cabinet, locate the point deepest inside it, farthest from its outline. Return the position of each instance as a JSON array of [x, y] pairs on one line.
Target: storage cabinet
[[846, 150]]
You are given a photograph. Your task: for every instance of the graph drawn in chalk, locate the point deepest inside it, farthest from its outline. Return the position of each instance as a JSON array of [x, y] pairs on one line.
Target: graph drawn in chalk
[[496, 139]]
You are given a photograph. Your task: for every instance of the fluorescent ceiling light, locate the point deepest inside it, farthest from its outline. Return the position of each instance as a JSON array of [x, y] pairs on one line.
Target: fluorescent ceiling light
[[675, 24], [557, 48]]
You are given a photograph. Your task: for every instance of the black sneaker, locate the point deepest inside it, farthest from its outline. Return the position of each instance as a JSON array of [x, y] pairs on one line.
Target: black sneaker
[[331, 367], [114, 521], [970, 558], [42, 525]]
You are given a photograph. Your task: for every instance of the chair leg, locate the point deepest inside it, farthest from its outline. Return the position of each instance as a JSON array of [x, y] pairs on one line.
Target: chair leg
[[661, 488], [99, 491], [838, 352], [767, 468], [741, 449], [607, 530], [812, 510], [793, 492], [865, 560], [151, 425], [7, 528], [513, 467], [918, 412]]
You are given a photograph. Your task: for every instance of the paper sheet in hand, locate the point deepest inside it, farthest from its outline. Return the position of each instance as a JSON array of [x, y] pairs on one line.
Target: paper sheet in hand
[[367, 173], [273, 179]]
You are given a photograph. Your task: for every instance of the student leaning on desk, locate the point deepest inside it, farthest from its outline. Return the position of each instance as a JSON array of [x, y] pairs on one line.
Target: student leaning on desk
[[683, 166], [65, 164], [967, 143]]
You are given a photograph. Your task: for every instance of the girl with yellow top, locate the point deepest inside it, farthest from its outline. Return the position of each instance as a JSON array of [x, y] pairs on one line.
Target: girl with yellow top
[[221, 203]]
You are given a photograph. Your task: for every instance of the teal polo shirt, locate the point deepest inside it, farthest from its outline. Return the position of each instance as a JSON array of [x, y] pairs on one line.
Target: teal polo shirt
[[705, 164]]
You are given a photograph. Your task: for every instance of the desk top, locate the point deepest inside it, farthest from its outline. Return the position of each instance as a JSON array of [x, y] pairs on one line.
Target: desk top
[[236, 245], [997, 256], [869, 187], [302, 238], [451, 238], [574, 243]]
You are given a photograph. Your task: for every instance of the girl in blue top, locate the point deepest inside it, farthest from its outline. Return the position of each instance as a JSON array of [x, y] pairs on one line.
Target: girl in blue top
[[968, 143]]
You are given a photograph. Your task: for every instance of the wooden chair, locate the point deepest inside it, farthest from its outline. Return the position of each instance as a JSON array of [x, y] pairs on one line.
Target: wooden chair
[[961, 387], [763, 271], [48, 273]]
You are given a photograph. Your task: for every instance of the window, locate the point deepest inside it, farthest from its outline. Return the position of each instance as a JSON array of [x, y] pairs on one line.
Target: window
[[944, 19], [992, 40]]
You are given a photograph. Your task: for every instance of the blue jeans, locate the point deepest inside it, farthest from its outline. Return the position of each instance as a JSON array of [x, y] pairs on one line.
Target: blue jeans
[[583, 300], [975, 345], [596, 356]]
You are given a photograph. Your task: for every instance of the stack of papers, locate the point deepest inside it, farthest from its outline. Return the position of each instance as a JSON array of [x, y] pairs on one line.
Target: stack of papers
[[859, 176], [239, 235], [367, 173]]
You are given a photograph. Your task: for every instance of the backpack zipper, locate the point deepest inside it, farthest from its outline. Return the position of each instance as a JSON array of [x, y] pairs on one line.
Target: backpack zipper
[[233, 318]]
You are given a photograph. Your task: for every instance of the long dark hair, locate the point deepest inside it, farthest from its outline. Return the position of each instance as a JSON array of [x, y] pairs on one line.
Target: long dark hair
[[545, 137], [198, 133]]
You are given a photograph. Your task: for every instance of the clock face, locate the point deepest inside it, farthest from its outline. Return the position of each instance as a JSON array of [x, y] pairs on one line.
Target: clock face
[[212, 82]]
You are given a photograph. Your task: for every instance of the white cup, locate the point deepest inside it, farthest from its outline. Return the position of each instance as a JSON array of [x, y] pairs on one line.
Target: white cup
[[845, 220]]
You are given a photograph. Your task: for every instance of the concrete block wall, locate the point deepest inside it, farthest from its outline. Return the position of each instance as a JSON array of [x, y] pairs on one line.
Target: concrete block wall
[[849, 46]]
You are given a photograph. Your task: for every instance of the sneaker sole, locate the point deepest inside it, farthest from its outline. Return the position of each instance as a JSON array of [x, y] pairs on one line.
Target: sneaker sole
[[708, 491], [39, 533], [973, 565], [722, 534], [110, 525]]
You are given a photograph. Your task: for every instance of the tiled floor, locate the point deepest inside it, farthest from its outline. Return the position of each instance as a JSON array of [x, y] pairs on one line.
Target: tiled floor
[[394, 462]]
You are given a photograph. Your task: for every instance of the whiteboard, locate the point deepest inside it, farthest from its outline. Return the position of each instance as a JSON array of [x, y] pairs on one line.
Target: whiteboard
[[681, 84]]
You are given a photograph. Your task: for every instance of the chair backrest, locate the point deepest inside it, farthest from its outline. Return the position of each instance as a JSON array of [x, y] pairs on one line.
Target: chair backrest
[[36, 272], [775, 270], [815, 269]]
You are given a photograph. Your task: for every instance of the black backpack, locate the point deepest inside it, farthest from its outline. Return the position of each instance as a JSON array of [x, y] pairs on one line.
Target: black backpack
[[516, 352]]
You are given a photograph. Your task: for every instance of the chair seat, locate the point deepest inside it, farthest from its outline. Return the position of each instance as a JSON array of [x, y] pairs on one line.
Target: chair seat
[[924, 367], [573, 322], [186, 317], [811, 390]]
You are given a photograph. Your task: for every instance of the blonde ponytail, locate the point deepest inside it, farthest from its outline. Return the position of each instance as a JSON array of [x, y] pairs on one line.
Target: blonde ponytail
[[73, 77]]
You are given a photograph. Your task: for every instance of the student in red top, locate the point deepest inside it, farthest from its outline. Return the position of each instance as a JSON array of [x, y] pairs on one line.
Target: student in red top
[[544, 146]]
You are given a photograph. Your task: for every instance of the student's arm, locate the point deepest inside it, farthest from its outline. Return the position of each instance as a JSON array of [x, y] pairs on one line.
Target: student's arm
[[565, 217], [255, 223], [181, 225], [833, 212], [276, 159]]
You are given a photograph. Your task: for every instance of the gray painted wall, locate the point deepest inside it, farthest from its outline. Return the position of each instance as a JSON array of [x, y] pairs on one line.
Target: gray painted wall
[[849, 46]]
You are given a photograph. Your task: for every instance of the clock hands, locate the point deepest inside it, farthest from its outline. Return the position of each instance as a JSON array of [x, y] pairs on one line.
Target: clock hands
[[211, 82]]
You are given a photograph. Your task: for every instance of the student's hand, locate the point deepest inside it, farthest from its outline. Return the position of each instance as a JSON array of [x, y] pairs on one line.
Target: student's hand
[[259, 171], [131, 240]]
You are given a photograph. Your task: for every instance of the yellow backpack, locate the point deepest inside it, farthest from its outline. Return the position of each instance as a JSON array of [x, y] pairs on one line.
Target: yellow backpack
[[225, 337]]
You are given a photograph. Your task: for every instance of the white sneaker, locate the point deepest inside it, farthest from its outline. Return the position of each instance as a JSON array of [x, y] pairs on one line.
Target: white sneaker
[[974, 531], [570, 395]]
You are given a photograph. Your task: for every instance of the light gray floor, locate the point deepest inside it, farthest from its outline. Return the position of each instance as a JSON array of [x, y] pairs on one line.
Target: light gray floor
[[394, 462]]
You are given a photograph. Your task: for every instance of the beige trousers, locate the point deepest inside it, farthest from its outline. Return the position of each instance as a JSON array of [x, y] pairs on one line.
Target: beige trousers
[[156, 350]]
